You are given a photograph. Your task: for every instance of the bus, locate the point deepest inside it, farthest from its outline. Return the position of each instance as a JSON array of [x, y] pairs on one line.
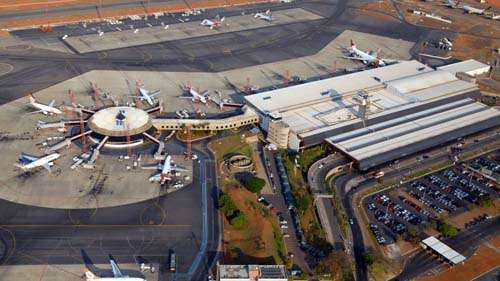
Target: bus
[[173, 264]]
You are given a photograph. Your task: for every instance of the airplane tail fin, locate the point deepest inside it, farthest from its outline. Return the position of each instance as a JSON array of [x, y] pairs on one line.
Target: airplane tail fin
[[32, 98], [90, 276]]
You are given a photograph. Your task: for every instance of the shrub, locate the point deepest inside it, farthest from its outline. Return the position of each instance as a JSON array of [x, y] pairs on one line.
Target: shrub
[[239, 220], [226, 205], [447, 230], [254, 184]]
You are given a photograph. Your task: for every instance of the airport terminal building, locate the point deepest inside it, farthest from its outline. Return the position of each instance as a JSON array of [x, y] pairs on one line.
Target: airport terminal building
[[376, 115]]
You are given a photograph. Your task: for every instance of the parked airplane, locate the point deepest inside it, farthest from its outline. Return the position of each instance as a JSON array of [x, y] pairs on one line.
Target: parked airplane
[[471, 10], [47, 109], [366, 58], [166, 170], [264, 16], [117, 275], [197, 97], [452, 3], [28, 162], [147, 95], [212, 24]]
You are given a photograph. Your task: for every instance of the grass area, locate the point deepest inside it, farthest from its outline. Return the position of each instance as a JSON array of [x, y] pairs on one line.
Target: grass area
[[182, 134], [310, 155], [260, 240], [312, 227], [339, 209], [230, 145]]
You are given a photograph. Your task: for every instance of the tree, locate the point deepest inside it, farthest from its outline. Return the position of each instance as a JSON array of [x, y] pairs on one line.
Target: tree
[[368, 258], [239, 220], [485, 201], [254, 184], [226, 205], [447, 230], [303, 203]]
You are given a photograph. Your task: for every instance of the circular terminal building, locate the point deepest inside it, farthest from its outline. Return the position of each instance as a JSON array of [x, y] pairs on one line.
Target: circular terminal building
[[120, 126]]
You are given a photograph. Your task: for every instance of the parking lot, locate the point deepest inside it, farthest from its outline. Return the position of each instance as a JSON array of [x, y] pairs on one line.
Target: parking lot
[[406, 211]]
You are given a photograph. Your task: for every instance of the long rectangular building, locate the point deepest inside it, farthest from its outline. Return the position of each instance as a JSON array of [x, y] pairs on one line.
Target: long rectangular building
[[306, 114], [385, 141]]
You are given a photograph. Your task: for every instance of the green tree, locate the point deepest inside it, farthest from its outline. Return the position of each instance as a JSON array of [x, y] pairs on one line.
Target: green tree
[[368, 258], [239, 220], [226, 205], [254, 184], [447, 230], [303, 203], [485, 201]]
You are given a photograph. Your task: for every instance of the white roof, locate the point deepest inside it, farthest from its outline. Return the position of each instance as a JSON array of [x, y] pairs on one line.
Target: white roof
[[443, 250], [322, 90], [420, 81], [471, 67]]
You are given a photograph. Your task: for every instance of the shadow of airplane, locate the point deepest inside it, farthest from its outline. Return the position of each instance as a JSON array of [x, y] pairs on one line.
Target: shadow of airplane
[[103, 273]]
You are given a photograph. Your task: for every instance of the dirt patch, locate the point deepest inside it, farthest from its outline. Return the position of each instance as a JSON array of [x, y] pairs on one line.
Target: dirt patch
[[254, 243], [382, 10], [484, 260], [479, 48], [60, 19], [465, 217]]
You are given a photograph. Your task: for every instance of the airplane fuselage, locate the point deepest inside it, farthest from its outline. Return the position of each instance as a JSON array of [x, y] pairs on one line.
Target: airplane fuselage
[[45, 108]]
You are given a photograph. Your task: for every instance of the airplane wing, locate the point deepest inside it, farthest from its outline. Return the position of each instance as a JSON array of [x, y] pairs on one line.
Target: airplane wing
[[354, 58], [29, 157], [37, 111], [47, 167], [116, 270], [152, 167], [154, 94], [51, 104], [205, 93], [179, 169]]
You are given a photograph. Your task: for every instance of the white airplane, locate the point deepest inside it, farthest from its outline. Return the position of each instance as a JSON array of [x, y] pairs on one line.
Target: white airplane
[[117, 275], [366, 58], [471, 10], [147, 95], [451, 3], [212, 24], [166, 170], [28, 162], [264, 16], [47, 109], [197, 97]]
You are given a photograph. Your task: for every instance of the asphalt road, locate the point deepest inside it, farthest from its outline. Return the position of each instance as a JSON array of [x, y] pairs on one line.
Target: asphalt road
[[149, 229]]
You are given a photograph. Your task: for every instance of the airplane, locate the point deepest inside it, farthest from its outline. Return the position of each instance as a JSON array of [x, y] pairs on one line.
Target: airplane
[[212, 24], [47, 109], [197, 97], [264, 16], [452, 3], [147, 95], [28, 162], [117, 274], [366, 58], [166, 170], [471, 10]]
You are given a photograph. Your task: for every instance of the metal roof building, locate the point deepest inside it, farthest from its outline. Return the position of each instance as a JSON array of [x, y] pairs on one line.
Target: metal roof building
[[443, 250], [321, 109], [470, 67], [251, 273], [399, 137]]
